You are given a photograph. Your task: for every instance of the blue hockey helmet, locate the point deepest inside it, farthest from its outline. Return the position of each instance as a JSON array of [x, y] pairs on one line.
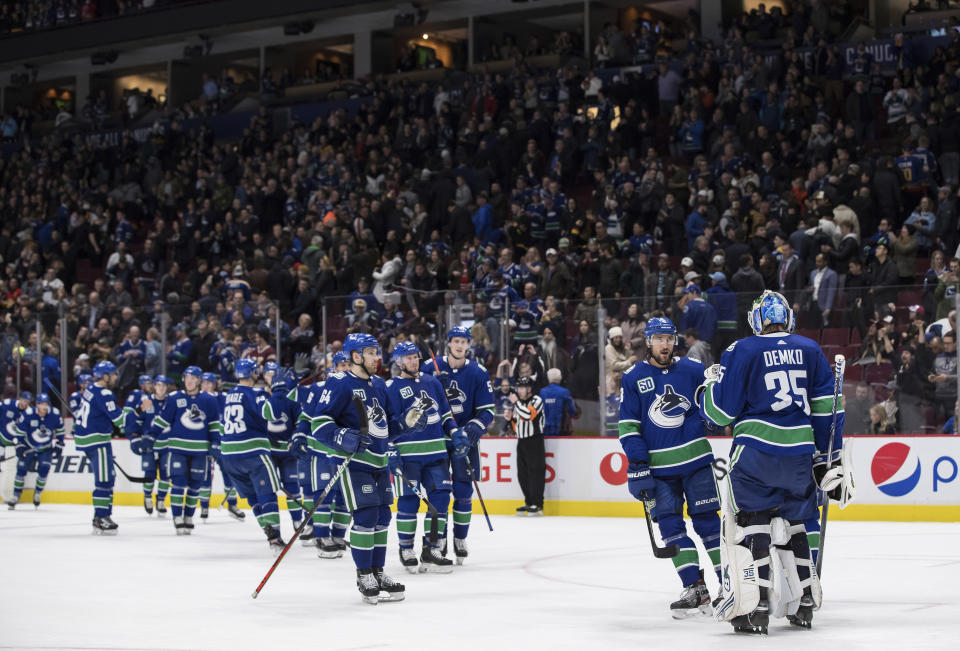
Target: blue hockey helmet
[[358, 341], [43, 397], [659, 325], [103, 368], [244, 368], [162, 379], [770, 308], [340, 356], [210, 377], [403, 349], [459, 331], [195, 371], [84, 379], [270, 367], [26, 395], [143, 379]]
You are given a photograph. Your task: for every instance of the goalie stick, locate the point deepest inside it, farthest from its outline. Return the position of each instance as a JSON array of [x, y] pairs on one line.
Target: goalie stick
[[839, 365]]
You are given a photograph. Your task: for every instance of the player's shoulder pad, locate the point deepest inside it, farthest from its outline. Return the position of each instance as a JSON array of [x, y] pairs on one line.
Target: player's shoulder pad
[[339, 375], [693, 359], [731, 346], [390, 382]]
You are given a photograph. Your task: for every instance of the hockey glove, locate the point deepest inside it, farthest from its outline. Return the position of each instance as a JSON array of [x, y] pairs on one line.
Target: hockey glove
[[301, 365], [640, 482], [461, 443], [474, 432], [300, 447], [351, 441], [147, 444], [21, 451], [136, 445], [394, 462], [58, 445], [713, 373], [830, 481], [215, 451]]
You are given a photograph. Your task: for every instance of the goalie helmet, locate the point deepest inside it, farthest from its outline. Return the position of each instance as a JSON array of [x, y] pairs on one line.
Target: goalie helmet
[[770, 308]]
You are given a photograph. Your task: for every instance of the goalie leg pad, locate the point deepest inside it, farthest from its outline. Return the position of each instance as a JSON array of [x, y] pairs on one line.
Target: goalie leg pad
[[742, 586]]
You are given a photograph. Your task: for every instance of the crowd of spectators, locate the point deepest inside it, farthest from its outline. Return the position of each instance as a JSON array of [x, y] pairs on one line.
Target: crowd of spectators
[[534, 203], [33, 15]]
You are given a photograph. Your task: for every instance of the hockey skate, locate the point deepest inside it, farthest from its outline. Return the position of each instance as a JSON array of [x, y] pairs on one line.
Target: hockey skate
[[148, 504], [390, 590], [534, 510], [188, 522], [803, 618], [409, 560], [341, 543], [522, 510], [274, 539], [180, 526], [11, 505], [431, 560], [756, 622], [204, 513], [369, 586], [307, 539], [36, 501], [460, 550], [161, 507], [327, 548], [694, 599], [104, 526], [236, 513]]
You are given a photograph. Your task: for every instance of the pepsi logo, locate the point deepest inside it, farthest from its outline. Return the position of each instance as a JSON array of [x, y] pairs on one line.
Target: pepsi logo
[[895, 469]]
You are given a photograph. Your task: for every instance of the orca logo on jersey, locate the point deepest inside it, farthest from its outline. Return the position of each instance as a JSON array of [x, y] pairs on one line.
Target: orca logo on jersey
[[377, 420], [43, 434], [193, 418], [454, 393], [669, 409], [895, 469], [279, 425]]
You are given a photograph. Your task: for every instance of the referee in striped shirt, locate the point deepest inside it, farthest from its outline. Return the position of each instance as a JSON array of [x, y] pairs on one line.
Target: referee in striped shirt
[[526, 418]]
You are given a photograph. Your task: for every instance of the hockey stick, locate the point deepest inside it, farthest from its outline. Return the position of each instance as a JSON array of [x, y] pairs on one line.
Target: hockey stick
[[226, 497], [66, 409], [431, 509], [839, 364], [668, 551], [291, 498], [364, 426], [466, 459]]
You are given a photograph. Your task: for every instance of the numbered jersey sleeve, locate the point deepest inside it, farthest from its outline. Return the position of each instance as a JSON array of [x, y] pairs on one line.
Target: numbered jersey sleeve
[[821, 405], [332, 410]]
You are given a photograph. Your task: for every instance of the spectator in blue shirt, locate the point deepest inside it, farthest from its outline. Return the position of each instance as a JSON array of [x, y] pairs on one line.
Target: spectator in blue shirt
[[695, 223], [557, 403]]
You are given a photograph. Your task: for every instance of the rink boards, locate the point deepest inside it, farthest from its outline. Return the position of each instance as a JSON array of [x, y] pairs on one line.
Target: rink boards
[[903, 478]]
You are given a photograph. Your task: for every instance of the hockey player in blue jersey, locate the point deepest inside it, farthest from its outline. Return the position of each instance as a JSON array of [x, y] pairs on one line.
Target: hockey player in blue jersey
[[777, 391], [10, 411], [365, 483], [245, 450], [96, 417], [210, 383], [74, 400], [669, 458], [331, 518], [470, 395], [281, 427], [139, 408], [186, 425], [41, 430], [420, 455]]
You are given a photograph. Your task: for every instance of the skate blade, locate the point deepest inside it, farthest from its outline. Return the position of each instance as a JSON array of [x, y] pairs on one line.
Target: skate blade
[[182, 532], [461, 559], [684, 613], [431, 568], [103, 532], [328, 555], [308, 542], [238, 518], [800, 623], [370, 600], [412, 569], [750, 630], [391, 597]]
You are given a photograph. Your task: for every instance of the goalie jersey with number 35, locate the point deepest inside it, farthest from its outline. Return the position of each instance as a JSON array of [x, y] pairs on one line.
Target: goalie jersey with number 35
[[777, 391]]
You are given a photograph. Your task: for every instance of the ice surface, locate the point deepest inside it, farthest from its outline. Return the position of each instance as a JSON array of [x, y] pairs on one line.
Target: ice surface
[[534, 583]]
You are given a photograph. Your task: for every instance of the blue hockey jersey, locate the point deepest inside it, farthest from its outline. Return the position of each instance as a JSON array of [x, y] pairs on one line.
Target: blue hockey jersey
[[243, 431], [98, 414], [74, 401], [701, 316], [430, 443], [40, 433], [659, 421], [334, 409], [187, 423], [138, 412], [468, 391], [9, 413], [281, 414], [777, 391]]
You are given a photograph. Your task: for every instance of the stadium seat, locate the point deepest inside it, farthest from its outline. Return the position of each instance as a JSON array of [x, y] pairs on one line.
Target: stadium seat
[[835, 337], [880, 391], [855, 338], [830, 352], [878, 373], [809, 333], [852, 373], [908, 297]]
